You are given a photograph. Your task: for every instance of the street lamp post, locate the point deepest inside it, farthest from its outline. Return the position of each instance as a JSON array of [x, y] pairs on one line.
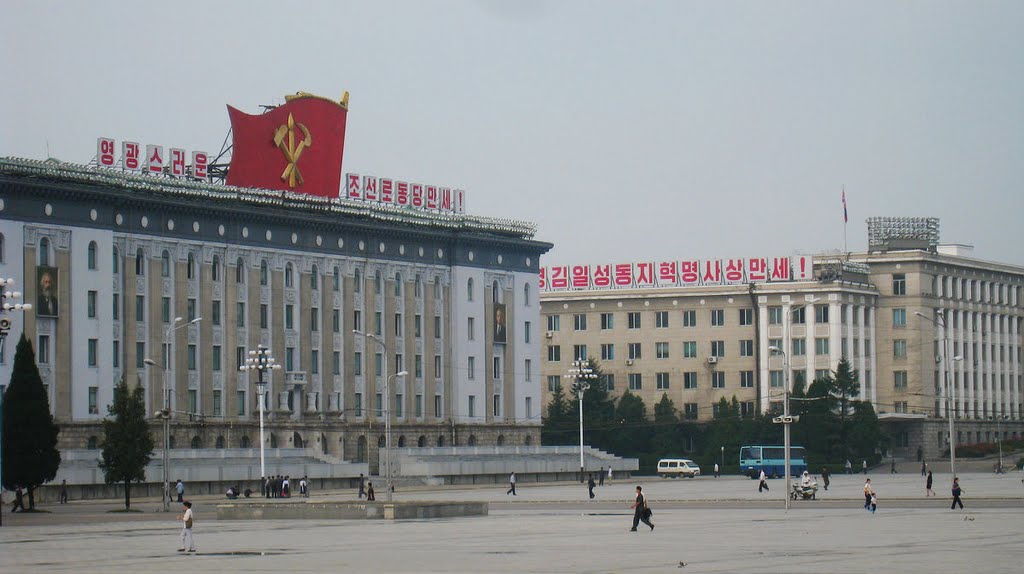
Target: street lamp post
[[940, 321], [722, 469], [786, 419], [582, 375], [999, 439], [259, 360], [386, 410], [5, 325], [165, 412]]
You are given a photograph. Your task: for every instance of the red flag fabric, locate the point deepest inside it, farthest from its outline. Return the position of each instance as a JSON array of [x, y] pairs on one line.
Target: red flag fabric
[[846, 219], [296, 147]]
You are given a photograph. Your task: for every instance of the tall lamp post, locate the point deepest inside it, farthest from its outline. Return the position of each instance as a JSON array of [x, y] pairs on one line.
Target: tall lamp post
[[999, 439], [582, 375], [5, 325], [165, 412], [940, 321], [259, 360], [785, 419], [386, 411]]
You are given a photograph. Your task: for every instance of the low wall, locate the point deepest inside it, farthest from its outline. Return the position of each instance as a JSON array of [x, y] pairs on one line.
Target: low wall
[[348, 510]]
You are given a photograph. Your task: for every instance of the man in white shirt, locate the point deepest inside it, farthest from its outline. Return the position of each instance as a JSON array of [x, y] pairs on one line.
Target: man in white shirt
[[186, 528], [763, 484], [512, 485]]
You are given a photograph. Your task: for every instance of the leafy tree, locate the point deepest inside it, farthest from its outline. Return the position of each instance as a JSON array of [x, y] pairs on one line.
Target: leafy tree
[[598, 408], [866, 435], [29, 449], [559, 419], [843, 386], [632, 433], [127, 442], [666, 438]]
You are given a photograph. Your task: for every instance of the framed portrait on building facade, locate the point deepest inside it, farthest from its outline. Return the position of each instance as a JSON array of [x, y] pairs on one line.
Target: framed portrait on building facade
[[46, 299], [500, 330]]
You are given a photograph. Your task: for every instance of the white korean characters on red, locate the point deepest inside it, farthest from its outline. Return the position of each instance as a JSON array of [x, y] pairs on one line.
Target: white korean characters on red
[[681, 273], [404, 194], [156, 160]]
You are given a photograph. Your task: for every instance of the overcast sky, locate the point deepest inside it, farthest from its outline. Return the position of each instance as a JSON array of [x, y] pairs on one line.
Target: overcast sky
[[626, 131]]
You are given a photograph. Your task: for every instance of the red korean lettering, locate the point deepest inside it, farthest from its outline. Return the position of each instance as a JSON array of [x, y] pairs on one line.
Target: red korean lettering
[[757, 269], [734, 270], [402, 193], [431, 200], [645, 274], [200, 165], [105, 152], [668, 272], [445, 201], [177, 162], [780, 269], [602, 275], [353, 186], [624, 274], [370, 188], [580, 276], [712, 272], [559, 277], [417, 195], [387, 190], [689, 272], [130, 155]]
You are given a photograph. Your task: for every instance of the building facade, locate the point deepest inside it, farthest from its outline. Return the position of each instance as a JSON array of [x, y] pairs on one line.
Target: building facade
[[167, 282], [884, 311]]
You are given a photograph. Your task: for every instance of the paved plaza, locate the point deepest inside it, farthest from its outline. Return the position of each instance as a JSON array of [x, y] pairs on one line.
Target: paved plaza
[[713, 525]]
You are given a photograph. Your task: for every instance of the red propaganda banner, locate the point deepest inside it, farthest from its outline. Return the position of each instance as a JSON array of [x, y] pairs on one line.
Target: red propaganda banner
[[296, 147]]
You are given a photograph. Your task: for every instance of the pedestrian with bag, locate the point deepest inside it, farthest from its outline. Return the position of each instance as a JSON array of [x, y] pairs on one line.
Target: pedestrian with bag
[[928, 486], [868, 494], [763, 484], [956, 495], [186, 528], [641, 511]]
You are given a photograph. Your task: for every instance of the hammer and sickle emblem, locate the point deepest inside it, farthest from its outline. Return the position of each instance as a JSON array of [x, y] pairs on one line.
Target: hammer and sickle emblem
[[291, 151]]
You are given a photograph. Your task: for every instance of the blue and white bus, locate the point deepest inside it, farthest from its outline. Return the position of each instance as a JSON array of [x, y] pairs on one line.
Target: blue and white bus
[[771, 459]]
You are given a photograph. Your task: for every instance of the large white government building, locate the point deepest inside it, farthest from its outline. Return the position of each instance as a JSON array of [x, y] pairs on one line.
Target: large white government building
[[127, 255], [891, 311]]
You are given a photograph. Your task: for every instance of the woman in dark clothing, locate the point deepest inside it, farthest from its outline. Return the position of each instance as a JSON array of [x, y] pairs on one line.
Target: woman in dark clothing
[[928, 486], [956, 495]]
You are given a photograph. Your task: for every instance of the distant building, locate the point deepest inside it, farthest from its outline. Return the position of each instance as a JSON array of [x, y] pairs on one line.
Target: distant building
[[128, 254], [704, 341]]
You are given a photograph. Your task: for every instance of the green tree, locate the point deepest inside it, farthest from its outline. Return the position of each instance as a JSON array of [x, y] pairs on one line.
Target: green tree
[[843, 386], [665, 441], [127, 442], [632, 431], [598, 408], [29, 450], [866, 435], [558, 420]]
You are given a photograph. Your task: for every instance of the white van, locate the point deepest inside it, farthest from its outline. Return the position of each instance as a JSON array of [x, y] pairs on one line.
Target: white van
[[676, 467]]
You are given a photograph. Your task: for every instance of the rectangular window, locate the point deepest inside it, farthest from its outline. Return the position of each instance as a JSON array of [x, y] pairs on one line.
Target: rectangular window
[[472, 406], [661, 319], [899, 284], [527, 330], [239, 357], [190, 309], [94, 407], [93, 351], [822, 374], [528, 403], [821, 314], [418, 366], [634, 351], [398, 404], [718, 317], [554, 353], [289, 359], [496, 371], [633, 320], [799, 347], [117, 307], [379, 404], [193, 401], [579, 322], [438, 411], [417, 324], [689, 349], [215, 313], [240, 403], [899, 380], [528, 368], [140, 354], [216, 404], [690, 411], [554, 322], [821, 346], [775, 379], [314, 362], [607, 321], [636, 381], [746, 317], [899, 348], [240, 314], [470, 328], [690, 380], [746, 347], [437, 326], [289, 316], [419, 403], [690, 318], [717, 380], [314, 319], [553, 382], [216, 358], [190, 351], [91, 304], [497, 405], [140, 308], [609, 381], [718, 349], [579, 352], [471, 368], [607, 351], [264, 317], [336, 363], [378, 323], [437, 366], [358, 406], [116, 352], [661, 381], [899, 318], [775, 315], [165, 309], [747, 409], [398, 324], [746, 379], [357, 364], [661, 350], [777, 343]]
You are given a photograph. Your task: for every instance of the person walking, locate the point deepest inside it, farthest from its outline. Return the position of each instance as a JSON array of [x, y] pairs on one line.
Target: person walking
[[763, 484], [924, 467], [641, 512], [303, 487], [864, 466], [600, 477], [610, 473], [849, 467], [19, 500], [590, 485], [370, 496], [874, 502], [956, 495], [868, 493], [928, 486], [186, 528], [716, 470], [180, 488], [892, 467], [362, 485], [825, 476], [511, 485], [64, 492]]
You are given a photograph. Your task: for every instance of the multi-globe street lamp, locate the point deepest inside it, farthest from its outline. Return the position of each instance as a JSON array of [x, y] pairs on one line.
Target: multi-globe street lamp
[[386, 410], [786, 420], [582, 375], [261, 361], [165, 412]]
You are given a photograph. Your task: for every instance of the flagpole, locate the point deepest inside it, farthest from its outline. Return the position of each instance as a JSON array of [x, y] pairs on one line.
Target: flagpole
[[845, 222]]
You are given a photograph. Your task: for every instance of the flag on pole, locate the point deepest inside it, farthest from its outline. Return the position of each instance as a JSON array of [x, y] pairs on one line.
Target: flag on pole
[[846, 218]]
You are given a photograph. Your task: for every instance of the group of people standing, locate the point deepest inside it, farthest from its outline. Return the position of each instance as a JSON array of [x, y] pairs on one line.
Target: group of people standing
[[280, 486]]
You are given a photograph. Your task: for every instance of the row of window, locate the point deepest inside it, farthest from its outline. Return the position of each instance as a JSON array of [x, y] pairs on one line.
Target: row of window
[[662, 350], [717, 318], [965, 289]]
